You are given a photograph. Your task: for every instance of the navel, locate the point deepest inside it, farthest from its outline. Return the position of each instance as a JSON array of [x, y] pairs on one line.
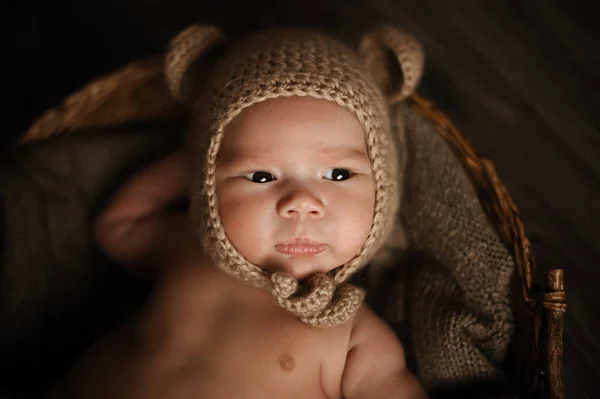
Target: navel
[[286, 362]]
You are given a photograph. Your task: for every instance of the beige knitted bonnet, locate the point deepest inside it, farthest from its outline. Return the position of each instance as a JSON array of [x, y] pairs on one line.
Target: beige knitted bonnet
[[293, 62]]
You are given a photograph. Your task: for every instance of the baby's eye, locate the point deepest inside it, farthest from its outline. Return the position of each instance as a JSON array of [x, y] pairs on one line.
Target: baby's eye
[[260, 177], [338, 174]]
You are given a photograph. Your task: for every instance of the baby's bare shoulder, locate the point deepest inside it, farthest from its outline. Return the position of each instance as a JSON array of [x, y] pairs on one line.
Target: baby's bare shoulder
[[368, 326], [376, 366]]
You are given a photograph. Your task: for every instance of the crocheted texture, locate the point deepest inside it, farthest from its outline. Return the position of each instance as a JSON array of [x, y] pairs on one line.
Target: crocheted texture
[[184, 49], [280, 63], [458, 298], [406, 52]]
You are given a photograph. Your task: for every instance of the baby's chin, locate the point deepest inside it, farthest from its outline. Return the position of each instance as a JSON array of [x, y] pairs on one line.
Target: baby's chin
[[301, 266]]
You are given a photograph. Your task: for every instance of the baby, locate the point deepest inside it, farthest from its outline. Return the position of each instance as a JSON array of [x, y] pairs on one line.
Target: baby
[[292, 171]]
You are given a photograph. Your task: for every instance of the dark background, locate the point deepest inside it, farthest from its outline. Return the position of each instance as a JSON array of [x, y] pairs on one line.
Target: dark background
[[520, 78]]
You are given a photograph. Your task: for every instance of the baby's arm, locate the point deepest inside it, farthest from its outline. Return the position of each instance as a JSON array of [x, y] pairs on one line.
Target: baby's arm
[[375, 367], [135, 227]]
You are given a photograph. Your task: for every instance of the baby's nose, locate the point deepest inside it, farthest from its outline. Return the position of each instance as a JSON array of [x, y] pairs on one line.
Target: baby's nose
[[301, 203]]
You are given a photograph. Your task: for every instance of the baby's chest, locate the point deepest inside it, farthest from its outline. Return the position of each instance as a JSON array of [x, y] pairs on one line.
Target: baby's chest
[[279, 343], [258, 351], [241, 341]]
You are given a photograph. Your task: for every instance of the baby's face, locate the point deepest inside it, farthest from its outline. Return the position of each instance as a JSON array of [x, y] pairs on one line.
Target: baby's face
[[295, 187]]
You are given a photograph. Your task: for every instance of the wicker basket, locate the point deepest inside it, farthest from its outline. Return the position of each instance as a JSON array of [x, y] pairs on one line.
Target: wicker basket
[[536, 355]]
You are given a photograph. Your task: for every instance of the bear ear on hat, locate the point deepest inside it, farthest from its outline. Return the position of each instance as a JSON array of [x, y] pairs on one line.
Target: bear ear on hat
[[189, 59], [396, 60]]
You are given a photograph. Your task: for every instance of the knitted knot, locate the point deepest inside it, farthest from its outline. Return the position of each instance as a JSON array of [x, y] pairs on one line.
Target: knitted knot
[[284, 285], [317, 296], [347, 300], [322, 304]]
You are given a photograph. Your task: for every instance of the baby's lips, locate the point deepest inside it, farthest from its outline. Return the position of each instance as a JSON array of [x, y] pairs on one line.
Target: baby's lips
[[300, 241], [300, 249]]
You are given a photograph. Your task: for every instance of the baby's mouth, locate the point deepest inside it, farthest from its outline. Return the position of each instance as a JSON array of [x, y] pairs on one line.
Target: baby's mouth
[[300, 246]]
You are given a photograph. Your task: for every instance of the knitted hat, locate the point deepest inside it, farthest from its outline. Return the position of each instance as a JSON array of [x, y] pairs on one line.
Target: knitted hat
[[283, 63]]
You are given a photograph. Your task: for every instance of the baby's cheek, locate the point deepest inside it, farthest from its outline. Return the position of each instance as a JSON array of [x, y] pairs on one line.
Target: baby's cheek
[[363, 219], [357, 225], [241, 219]]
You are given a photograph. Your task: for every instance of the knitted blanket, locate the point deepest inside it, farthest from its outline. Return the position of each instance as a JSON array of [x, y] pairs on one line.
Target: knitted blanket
[[458, 293]]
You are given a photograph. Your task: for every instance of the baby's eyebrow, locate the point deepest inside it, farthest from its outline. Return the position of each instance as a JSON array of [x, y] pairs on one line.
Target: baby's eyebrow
[[336, 153], [347, 154], [233, 157]]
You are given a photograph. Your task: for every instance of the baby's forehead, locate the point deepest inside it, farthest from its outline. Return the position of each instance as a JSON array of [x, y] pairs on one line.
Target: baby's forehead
[[308, 124]]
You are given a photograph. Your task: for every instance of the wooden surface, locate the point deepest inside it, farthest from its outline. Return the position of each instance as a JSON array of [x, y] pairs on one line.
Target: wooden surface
[[520, 78]]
